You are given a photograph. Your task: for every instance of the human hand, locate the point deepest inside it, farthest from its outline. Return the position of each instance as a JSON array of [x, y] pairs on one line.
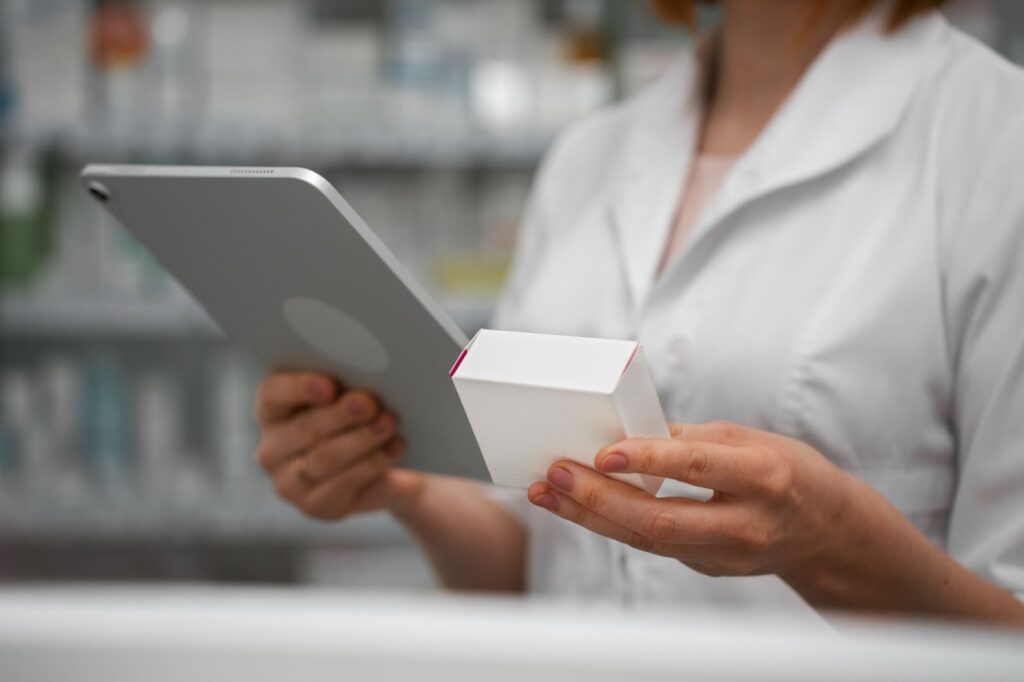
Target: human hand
[[330, 452], [775, 509]]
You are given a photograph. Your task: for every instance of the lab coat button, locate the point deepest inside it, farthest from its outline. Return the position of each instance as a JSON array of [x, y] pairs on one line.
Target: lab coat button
[[678, 352]]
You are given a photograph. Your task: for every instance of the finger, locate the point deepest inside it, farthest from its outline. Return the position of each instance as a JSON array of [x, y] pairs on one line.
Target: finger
[[334, 454], [333, 498], [546, 496], [695, 556], [710, 465], [287, 439], [290, 482], [281, 393], [670, 520], [722, 432]]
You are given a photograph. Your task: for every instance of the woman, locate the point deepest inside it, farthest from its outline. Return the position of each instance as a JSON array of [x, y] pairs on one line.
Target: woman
[[815, 225]]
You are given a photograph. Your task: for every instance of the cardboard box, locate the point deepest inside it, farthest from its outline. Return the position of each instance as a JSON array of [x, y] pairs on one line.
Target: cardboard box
[[533, 399]]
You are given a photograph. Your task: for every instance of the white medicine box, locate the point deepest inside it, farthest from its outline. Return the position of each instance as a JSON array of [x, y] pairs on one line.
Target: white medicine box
[[533, 399]]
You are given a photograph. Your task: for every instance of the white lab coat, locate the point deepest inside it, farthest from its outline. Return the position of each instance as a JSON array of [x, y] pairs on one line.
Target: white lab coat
[[857, 283]]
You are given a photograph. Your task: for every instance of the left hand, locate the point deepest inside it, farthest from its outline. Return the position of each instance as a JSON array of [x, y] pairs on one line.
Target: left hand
[[776, 507]]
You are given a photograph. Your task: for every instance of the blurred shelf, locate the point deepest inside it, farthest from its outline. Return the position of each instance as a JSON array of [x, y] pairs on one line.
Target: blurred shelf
[[398, 148], [139, 520], [470, 313], [105, 318]]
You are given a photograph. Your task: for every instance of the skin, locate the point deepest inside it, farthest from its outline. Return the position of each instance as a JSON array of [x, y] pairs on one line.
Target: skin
[[331, 452], [780, 507]]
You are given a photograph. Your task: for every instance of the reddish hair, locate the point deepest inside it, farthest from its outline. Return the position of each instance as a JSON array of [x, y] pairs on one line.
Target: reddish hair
[[902, 11]]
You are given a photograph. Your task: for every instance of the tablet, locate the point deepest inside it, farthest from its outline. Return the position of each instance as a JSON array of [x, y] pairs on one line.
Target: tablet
[[289, 270]]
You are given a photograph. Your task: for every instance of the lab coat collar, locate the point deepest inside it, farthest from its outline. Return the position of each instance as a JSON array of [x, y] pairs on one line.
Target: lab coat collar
[[851, 98], [657, 148]]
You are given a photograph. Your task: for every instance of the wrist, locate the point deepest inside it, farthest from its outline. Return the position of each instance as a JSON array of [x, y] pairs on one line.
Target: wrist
[[827, 571]]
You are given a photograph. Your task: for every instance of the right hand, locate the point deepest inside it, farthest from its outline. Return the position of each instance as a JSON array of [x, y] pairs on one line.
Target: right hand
[[330, 452]]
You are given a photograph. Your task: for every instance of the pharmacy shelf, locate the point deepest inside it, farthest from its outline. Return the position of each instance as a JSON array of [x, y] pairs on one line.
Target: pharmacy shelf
[[470, 313], [102, 318], [267, 520], [112, 318], [384, 148]]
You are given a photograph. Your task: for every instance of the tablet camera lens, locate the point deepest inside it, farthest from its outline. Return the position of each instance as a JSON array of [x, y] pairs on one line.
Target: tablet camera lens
[[99, 191]]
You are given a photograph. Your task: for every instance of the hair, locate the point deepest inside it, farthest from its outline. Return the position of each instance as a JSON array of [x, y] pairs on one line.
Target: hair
[[902, 11]]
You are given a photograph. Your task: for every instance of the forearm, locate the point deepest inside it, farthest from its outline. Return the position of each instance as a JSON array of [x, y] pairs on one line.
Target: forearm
[[472, 542], [877, 561]]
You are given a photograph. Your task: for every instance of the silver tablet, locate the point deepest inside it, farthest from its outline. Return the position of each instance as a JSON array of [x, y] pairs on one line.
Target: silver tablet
[[289, 270]]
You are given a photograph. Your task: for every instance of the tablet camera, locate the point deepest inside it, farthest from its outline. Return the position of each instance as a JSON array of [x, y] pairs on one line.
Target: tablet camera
[[99, 191]]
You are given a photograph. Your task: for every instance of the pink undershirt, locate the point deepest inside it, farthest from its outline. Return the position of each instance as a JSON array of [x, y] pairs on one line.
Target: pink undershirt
[[706, 177]]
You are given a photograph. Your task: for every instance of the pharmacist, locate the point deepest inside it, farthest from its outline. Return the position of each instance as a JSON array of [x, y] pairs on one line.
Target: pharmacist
[[814, 222]]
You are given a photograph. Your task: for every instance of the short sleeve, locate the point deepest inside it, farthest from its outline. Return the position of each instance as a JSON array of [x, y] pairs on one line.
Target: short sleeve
[[985, 306]]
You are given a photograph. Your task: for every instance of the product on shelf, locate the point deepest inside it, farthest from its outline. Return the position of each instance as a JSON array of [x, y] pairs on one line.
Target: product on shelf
[[119, 48]]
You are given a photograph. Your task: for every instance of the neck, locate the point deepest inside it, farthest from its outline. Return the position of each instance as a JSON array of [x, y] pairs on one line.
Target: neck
[[762, 51]]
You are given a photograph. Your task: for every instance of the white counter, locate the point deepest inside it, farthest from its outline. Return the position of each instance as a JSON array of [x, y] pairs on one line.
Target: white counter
[[168, 634]]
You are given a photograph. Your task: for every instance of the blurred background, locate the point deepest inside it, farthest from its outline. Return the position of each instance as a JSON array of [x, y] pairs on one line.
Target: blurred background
[[126, 438]]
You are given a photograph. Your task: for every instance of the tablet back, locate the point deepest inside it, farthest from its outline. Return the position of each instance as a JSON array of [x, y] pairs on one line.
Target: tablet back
[[286, 268]]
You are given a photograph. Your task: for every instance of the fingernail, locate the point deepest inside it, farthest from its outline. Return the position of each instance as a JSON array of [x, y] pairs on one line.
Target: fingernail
[[357, 405], [614, 462], [560, 478], [546, 500]]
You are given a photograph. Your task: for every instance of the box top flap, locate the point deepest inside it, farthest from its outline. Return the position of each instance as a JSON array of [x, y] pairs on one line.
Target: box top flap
[[563, 362]]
